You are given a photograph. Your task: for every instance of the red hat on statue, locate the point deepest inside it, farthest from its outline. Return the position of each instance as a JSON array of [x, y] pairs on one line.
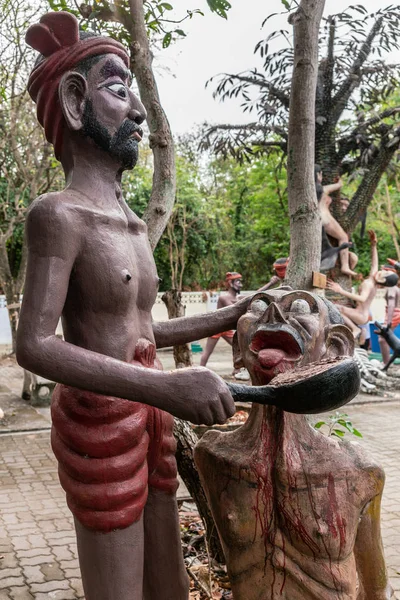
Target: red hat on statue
[[57, 39]]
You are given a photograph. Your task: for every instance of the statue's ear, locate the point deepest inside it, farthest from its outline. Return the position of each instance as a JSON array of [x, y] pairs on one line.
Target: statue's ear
[[72, 93], [237, 356], [339, 341]]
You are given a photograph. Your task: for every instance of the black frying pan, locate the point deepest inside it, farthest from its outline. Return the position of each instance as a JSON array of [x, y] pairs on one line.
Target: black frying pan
[[317, 387]]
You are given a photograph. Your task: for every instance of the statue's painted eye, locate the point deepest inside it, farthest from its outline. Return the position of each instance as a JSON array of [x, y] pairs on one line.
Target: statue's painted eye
[[259, 306], [119, 89], [300, 307]]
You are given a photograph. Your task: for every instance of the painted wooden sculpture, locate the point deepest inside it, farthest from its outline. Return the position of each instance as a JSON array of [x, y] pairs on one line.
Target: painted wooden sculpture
[[298, 513], [90, 262]]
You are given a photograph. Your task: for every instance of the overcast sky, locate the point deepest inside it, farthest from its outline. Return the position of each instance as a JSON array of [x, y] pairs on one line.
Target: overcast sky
[[214, 45]]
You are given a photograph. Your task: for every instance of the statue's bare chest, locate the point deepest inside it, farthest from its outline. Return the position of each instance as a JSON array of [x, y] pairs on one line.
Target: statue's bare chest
[[115, 266]]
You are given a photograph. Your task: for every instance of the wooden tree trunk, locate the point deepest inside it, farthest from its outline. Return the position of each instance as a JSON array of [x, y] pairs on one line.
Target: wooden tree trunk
[[162, 197], [173, 301], [186, 438], [305, 222], [12, 298]]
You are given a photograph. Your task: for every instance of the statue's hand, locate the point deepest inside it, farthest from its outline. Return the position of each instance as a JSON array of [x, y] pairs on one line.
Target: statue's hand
[[372, 237], [199, 396], [334, 286]]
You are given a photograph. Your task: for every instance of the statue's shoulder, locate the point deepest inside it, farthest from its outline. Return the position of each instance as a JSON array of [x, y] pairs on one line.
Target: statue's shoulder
[[57, 206], [364, 462], [51, 218]]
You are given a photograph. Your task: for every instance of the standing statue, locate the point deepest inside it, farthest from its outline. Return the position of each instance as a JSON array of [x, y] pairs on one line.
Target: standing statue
[[298, 513], [233, 283], [91, 263]]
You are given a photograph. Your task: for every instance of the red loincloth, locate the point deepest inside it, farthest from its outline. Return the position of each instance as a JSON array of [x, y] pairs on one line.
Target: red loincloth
[[228, 334], [110, 450], [396, 318]]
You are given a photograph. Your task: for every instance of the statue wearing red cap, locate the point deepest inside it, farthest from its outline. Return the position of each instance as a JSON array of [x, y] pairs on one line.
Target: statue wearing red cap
[[233, 282], [90, 262]]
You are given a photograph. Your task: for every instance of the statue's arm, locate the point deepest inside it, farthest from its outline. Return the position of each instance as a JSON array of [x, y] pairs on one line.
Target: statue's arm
[[53, 238], [391, 304], [368, 551], [374, 253], [273, 281], [189, 329]]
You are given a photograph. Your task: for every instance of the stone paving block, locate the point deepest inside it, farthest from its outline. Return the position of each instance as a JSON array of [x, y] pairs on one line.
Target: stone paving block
[[10, 572], [35, 560], [65, 540], [37, 540], [9, 518], [8, 560], [77, 585], [11, 581], [18, 593], [21, 543], [49, 586], [52, 572], [34, 552], [62, 553], [69, 564], [395, 581], [33, 574], [57, 595], [72, 573]]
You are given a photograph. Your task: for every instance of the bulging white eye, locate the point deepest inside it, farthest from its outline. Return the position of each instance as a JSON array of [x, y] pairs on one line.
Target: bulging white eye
[[259, 306], [119, 89], [300, 307]]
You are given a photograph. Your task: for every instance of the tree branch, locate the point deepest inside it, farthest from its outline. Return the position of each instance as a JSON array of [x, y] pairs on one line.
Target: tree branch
[[350, 142], [370, 181], [353, 79], [329, 66], [262, 83], [162, 197]]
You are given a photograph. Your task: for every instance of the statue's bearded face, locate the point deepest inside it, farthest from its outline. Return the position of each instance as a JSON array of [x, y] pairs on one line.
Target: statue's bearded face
[[280, 331], [112, 112]]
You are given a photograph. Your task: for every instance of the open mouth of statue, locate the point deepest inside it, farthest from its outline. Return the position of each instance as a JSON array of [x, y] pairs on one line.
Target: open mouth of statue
[[137, 135], [277, 348]]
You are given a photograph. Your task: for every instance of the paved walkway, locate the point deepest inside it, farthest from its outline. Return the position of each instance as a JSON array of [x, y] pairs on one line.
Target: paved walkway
[[38, 558]]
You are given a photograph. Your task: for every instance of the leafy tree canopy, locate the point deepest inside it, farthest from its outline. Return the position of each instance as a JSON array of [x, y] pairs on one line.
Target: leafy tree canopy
[[227, 216], [354, 135]]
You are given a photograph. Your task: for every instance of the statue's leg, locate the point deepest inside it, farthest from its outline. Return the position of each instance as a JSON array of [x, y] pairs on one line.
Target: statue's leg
[[164, 569], [165, 575], [209, 349], [112, 563]]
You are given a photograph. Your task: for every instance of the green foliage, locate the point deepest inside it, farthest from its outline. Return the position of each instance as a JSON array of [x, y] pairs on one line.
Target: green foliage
[[226, 217], [220, 7], [338, 425], [113, 18]]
